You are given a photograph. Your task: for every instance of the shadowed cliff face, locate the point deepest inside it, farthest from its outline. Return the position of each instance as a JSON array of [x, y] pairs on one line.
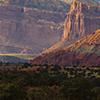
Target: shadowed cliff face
[[88, 2], [81, 20], [51, 5], [27, 26]]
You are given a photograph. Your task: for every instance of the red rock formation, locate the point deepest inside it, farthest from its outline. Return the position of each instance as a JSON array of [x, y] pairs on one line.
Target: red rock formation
[[92, 39], [76, 54], [74, 23], [79, 22]]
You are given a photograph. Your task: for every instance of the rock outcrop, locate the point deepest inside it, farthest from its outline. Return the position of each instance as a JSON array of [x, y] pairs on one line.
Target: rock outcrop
[[81, 20], [74, 23], [84, 52]]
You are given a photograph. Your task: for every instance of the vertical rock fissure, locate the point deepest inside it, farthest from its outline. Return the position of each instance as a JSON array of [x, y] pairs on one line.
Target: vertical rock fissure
[[74, 23], [73, 26]]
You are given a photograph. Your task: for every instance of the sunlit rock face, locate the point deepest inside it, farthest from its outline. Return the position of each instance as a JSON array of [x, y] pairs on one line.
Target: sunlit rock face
[[83, 52], [74, 23], [80, 21], [80, 43]]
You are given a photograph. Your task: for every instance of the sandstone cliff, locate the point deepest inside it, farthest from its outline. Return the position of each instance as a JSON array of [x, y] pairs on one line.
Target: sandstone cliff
[[29, 26], [81, 20], [84, 52]]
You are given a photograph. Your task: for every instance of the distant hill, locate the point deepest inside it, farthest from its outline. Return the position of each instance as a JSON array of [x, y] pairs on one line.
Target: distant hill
[[12, 59], [14, 49]]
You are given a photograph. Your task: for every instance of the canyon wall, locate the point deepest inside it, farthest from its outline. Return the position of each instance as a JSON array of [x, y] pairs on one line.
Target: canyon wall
[[29, 27], [81, 20]]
